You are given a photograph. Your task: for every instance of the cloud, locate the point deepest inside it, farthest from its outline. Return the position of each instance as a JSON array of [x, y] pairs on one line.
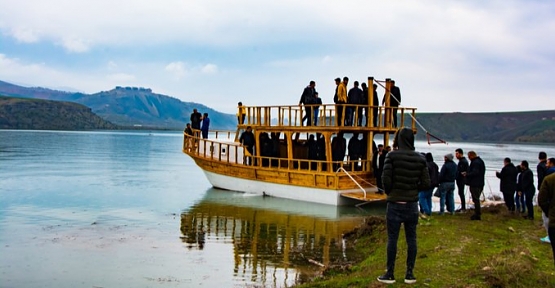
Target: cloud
[[209, 69], [25, 35], [177, 69], [75, 45]]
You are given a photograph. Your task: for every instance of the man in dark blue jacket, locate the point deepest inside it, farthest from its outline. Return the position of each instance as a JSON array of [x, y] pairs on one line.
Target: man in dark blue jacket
[[404, 174], [525, 185], [446, 188], [462, 166], [475, 179]]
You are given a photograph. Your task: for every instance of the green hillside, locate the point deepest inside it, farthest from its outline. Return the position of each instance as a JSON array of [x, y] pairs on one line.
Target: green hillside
[[129, 106], [36, 114], [530, 126]]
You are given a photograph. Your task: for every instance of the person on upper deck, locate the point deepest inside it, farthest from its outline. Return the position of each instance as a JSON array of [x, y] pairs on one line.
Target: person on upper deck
[[341, 100], [394, 101], [316, 108], [307, 98], [355, 97], [241, 113]]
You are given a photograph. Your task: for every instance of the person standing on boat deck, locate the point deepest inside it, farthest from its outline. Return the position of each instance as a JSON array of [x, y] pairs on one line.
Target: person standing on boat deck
[[462, 166], [307, 98], [205, 126], [355, 97], [507, 184], [375, 107], [316, 108], [312, 147], [525, 185], [338, 149], [446, 187], [189, 141], [247, 140], [365, 101], [355, 151], [394, 101], [546, 201], [475, 179], [196, 117], [241, 113], [341, 100], [405, 173]]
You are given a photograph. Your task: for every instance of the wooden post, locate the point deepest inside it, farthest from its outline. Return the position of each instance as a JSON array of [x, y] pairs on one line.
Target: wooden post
[[370, 115]]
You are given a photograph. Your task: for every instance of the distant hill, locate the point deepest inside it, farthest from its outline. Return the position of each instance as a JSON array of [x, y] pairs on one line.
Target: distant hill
[[530, 126], [37, 114], [129, 106], [132, 106]]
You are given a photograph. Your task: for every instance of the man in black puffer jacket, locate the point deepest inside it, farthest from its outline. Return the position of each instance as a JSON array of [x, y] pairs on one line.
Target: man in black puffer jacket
[[404, 174]]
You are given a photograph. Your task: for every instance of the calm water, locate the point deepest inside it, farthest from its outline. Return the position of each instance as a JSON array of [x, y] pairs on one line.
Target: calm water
[[116, 209]]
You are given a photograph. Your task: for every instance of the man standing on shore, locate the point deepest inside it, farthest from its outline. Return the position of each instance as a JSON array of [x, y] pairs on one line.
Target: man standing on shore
[[507, 183], [411, 176], [462, 166], [475, 179], [546, 201]]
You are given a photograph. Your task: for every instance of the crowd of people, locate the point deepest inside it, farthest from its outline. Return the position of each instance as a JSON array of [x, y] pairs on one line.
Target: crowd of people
[[417, 176], [345, 103]]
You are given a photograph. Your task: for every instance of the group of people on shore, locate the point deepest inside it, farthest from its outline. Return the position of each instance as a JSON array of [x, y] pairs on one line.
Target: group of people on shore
[[354, 96], [416, 176]]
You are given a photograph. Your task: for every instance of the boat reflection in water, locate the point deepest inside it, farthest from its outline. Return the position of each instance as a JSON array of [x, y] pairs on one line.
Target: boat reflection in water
[[272, 238]]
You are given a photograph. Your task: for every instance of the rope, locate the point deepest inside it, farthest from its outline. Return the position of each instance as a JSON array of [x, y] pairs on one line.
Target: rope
[[428, 134]]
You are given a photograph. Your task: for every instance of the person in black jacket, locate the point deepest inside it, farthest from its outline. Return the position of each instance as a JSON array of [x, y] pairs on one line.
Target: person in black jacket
[[475, 179], [355, 97], [507, 184], [196, 117], [462, 166], [525, 185], [404, 174], [247, 139], [447, 177], [395, 101], [307, 98]]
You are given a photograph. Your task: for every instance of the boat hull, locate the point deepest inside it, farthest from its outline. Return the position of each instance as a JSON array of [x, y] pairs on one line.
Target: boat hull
[[308, 194]]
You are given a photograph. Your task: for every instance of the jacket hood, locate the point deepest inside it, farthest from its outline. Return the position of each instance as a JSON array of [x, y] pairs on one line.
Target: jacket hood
[[404, 139]]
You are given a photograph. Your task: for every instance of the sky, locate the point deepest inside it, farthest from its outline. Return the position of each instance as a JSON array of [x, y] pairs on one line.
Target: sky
[[446, 56]]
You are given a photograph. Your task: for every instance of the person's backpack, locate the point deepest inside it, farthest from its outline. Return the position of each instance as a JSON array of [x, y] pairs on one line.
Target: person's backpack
[[433, 169]]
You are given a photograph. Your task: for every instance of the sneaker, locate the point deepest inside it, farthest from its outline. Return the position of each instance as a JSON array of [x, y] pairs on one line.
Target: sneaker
[[387, 279], [545, 239], [423, 216], [409, 278]]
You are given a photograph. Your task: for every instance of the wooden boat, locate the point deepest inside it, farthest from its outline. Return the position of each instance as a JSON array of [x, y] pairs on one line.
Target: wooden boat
[[288, 172]]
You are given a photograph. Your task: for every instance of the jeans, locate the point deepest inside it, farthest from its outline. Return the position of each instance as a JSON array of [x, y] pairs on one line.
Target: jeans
[[519, 199], [425, 201], [460, 189], [316, 116], [476, 192], [551, 233], [529, 195], [446, 190], [396, 214]]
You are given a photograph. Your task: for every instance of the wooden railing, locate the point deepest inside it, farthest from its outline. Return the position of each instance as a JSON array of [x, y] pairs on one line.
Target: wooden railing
[[291, 116], [235, 153]]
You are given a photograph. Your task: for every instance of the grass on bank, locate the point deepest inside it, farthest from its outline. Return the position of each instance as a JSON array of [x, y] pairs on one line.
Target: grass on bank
[[502, 250]]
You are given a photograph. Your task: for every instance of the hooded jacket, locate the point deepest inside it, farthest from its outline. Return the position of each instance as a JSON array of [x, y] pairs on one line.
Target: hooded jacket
[[404, 171]]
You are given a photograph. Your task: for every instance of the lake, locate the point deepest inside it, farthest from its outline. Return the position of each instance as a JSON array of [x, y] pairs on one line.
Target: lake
[[128, 209]]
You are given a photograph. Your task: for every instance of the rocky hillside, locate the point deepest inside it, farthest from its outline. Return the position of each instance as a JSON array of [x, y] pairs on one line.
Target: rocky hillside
[[21, 113]]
